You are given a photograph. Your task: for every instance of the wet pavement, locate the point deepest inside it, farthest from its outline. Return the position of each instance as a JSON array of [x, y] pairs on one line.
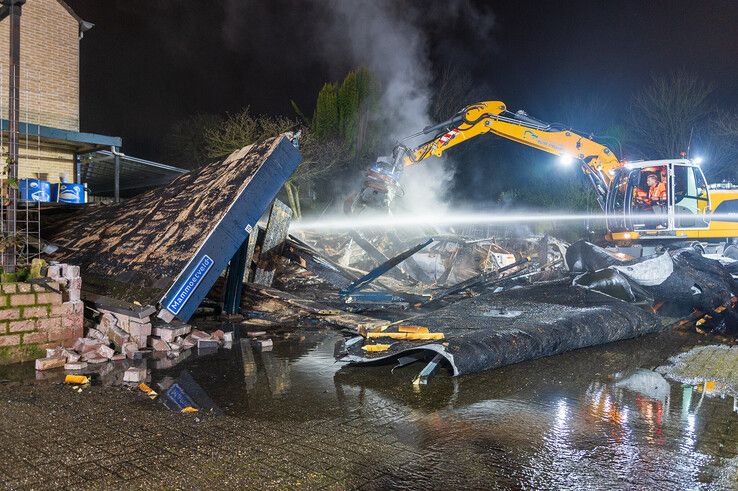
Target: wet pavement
[[596, 418]]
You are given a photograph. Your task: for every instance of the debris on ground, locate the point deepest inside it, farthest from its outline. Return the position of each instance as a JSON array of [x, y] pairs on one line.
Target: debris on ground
[[468, 301]]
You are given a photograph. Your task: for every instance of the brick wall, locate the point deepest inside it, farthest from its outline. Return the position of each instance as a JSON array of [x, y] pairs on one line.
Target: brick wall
[[33, 317], [49, 63], [37, 160], [49, 81]]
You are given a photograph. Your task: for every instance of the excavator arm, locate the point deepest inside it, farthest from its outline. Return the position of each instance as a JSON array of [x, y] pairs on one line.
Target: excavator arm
[[597, 161]]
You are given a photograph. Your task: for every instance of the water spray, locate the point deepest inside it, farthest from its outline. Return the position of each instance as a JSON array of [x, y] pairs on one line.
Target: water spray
[[440, 219]]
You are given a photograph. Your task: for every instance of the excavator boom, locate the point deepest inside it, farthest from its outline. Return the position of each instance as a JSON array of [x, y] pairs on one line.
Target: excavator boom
[[598, 162]]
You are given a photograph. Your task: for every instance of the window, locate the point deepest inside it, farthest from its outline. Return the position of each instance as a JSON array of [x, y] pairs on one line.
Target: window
[[690, 197]]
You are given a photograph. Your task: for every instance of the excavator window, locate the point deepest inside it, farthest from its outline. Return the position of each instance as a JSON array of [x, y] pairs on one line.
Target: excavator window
[[690, 197]]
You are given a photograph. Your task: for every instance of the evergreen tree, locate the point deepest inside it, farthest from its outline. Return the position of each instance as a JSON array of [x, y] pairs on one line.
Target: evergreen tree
[[348, 107], [325, 118]]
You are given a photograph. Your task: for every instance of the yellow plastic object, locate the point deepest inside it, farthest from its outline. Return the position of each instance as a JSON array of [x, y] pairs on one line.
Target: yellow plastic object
[[411, 328], [76, 379], [375, 348], [407, 336], [147, 390], [189, 409]]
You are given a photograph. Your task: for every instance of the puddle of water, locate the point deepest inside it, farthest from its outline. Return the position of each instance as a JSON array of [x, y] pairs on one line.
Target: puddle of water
[[595, 418]]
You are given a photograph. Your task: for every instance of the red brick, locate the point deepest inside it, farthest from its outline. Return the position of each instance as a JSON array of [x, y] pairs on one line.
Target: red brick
[[35, 337], [9, 314], [63, 309], [23, 299], [9, 288], [10, 340], [50, 323], [53, 298], [29, 312], [25, 325], [73, 320], [58, 333]]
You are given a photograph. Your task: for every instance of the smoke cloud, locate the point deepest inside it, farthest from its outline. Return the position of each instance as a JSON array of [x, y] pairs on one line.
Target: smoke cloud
[[390, 38]]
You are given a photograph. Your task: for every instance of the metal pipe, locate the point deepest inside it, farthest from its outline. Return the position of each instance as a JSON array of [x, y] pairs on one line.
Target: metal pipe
[[14, 13], [117, 154]]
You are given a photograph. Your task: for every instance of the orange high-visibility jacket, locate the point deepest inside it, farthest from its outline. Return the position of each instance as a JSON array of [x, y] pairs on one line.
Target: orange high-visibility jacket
[[657, 192]]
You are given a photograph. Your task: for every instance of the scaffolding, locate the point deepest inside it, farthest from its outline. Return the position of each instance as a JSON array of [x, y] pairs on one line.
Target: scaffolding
[[20, 219]]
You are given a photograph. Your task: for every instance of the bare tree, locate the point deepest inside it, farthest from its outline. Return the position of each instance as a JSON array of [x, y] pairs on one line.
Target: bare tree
[[664, 115]]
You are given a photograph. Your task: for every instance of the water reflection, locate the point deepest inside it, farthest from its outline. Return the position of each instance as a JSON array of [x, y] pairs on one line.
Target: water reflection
[[591, 418]]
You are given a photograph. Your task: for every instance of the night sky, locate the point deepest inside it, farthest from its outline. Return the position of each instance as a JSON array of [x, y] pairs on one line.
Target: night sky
[[147, 64]]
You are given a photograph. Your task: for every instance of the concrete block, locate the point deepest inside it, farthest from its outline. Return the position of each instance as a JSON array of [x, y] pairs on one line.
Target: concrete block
[[69, 271], [118, 336], [93, 333], [71, 355], [129, 348], [165, 315], [76, 365], [135, 375], [170, 332], [158, 344], [105, 351], [106, 322], [49, 363], [54, 271], [187, 342], [198, 334]]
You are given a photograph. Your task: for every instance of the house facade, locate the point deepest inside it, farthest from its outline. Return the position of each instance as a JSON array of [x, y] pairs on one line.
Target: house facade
[[50, 140]]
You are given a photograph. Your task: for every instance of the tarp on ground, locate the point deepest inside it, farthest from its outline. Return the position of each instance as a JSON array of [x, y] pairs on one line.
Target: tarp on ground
[[171, 243], [494, 330]]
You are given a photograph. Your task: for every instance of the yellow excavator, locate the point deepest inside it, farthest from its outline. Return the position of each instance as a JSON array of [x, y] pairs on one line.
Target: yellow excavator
[[682, 211]]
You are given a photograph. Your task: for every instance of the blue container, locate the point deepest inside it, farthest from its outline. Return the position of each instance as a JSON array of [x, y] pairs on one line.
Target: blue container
[[35, 190], [67, 192]]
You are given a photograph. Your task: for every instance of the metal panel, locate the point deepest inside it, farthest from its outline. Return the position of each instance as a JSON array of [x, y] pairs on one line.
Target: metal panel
[[230, 232], [276, 232]]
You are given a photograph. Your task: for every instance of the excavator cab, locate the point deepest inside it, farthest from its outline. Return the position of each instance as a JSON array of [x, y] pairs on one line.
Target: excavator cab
[[657, 199]]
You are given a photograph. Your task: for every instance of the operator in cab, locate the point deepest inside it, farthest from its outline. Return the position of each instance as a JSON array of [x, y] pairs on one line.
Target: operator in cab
[[656, 190]]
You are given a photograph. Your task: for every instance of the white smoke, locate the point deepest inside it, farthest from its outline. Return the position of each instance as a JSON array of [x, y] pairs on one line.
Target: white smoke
[[384, 35]]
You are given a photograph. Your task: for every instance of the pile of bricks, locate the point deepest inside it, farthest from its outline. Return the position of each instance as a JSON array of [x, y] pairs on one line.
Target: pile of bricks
[[125, 338], [40, 315]]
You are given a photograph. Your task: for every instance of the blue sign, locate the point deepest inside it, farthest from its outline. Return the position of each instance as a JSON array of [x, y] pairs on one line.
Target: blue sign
[[179, 397], [67, 192], [180, 298], [35, 190]]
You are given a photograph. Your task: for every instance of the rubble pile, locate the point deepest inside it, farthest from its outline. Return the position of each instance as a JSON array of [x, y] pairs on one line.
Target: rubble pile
[[675, 283], [132, 341]]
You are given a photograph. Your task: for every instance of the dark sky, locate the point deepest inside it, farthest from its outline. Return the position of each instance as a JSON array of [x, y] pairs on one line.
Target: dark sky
[[147, 64]]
